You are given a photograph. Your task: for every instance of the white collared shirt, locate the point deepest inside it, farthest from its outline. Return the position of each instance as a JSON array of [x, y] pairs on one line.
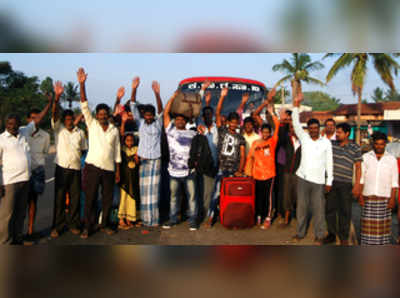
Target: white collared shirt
[[104, 146], [316, 163], [39, 144], [250, 139], [332, 138], [69, 145], [15, 155], [379, 176]]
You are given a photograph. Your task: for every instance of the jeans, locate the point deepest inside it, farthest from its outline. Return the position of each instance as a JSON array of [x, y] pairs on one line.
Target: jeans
[[338, 209], [188, 184], [215, 201], [209, 191], [310, 199]]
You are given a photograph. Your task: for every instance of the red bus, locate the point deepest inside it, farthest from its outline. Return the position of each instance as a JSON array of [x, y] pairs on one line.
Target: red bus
[[237, 87]]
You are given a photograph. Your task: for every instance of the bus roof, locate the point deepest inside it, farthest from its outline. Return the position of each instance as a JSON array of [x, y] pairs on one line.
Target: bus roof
[[221, 79]]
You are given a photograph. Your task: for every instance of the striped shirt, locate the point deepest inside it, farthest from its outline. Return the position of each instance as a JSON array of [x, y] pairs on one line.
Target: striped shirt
[[343, 160]]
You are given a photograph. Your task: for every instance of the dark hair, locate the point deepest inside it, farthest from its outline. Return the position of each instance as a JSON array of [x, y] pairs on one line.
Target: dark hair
[[149, 109], [15, 117], [330, 120], [233, 116], [248, 120], [266, 125], [344, 126], [102, 106], [313, 121], [182, 116], [377, 135], [288, 112], [127, 107], [32, 111], [208, 108], [67, 113]]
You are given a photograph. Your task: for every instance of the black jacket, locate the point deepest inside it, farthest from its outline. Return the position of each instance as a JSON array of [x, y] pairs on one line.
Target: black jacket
[[200, 157], [292, 158]]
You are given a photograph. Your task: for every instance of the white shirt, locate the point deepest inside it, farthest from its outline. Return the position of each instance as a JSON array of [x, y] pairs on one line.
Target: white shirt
[[69, 145], [39, 144], [379, 176], [15, 155], [104, 146], [332, 138], [249, 140], [316, 163]]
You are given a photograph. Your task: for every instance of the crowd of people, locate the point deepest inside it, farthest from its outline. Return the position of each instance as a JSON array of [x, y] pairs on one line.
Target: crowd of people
[[298, 173]]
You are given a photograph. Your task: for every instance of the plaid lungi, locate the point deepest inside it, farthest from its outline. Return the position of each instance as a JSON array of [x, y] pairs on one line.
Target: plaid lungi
[[376, 221], [149, 181]]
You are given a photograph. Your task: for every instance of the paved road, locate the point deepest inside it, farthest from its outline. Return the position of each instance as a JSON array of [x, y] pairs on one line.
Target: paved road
[[179, 235]]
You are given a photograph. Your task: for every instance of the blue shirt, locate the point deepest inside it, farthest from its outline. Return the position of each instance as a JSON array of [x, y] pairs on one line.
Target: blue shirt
[[149, 135]]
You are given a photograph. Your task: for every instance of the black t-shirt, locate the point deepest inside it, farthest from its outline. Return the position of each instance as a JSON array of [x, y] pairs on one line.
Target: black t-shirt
[[229, 149]]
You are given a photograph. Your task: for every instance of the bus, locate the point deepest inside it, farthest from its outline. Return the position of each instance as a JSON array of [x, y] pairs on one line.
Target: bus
[[237, 87]]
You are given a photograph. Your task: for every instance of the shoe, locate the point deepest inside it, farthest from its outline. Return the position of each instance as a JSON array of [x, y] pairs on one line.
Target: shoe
[[29, 238], [108, 231], [193, 227], [75, 231], [54, 234], [319, 241], [168, 225], [331, 238], [266, 225], [85, 234], [297, 239]]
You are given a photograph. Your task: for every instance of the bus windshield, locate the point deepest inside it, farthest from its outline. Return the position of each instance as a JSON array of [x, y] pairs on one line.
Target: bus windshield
[[237, 87]]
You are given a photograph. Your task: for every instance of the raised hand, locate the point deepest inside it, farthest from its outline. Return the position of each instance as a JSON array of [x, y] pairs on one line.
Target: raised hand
[[58, 90], [82, 76], [205, 85], [245, 98], [156, 87], [120, 93], [135, 82], [208, 98], [271, 94], [224, 92]]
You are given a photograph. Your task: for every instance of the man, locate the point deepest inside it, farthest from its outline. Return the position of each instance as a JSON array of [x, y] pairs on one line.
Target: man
[[179, 141], [379, 183], [346, 157], [149, 151], [16, 171], [314, 172], [231, 151], [288, 158], [39, 143], [70, 143], [102, 162], [329, 131]]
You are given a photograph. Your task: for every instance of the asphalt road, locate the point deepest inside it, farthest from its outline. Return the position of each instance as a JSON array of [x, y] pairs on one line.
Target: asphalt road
[[179, 235]]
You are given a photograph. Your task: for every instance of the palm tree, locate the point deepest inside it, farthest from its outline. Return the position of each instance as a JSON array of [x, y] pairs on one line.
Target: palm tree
[[384, 64], [297, 70], [70, 93]]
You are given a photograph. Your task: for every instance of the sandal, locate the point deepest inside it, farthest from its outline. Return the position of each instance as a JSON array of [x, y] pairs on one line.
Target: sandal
[[123, 227], [266, 224]]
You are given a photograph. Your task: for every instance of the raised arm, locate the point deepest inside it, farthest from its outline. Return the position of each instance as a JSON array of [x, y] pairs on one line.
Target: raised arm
[[58, 90], [156, 89], [264, 104], [224, 93], [120, 94], [82, 76], [300, 133], [167, 110], [135, 85], [204, 86], [78, 119]]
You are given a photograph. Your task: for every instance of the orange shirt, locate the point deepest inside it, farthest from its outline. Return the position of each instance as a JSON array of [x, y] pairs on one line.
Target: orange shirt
[[263, 154]]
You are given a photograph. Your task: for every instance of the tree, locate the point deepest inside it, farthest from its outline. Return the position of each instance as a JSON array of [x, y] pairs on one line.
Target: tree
[[383, 63], [321, 101], [378, 95], [297, 71], [47, 86], [71, 93]]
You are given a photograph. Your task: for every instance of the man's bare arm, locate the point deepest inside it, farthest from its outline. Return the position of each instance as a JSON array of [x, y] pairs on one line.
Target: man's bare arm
[[224, 93], [135, 85], [156, 89]]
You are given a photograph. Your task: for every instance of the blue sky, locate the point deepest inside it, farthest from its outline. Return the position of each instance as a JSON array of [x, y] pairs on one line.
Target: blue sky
[[107, 72]]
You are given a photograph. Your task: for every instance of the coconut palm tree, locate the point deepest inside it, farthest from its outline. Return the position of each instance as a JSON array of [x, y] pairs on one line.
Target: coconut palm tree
[[70, 93], [297, 70], [384, 65]]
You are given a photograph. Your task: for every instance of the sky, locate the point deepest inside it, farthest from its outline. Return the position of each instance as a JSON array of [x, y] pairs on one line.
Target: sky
[[108, 71]]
